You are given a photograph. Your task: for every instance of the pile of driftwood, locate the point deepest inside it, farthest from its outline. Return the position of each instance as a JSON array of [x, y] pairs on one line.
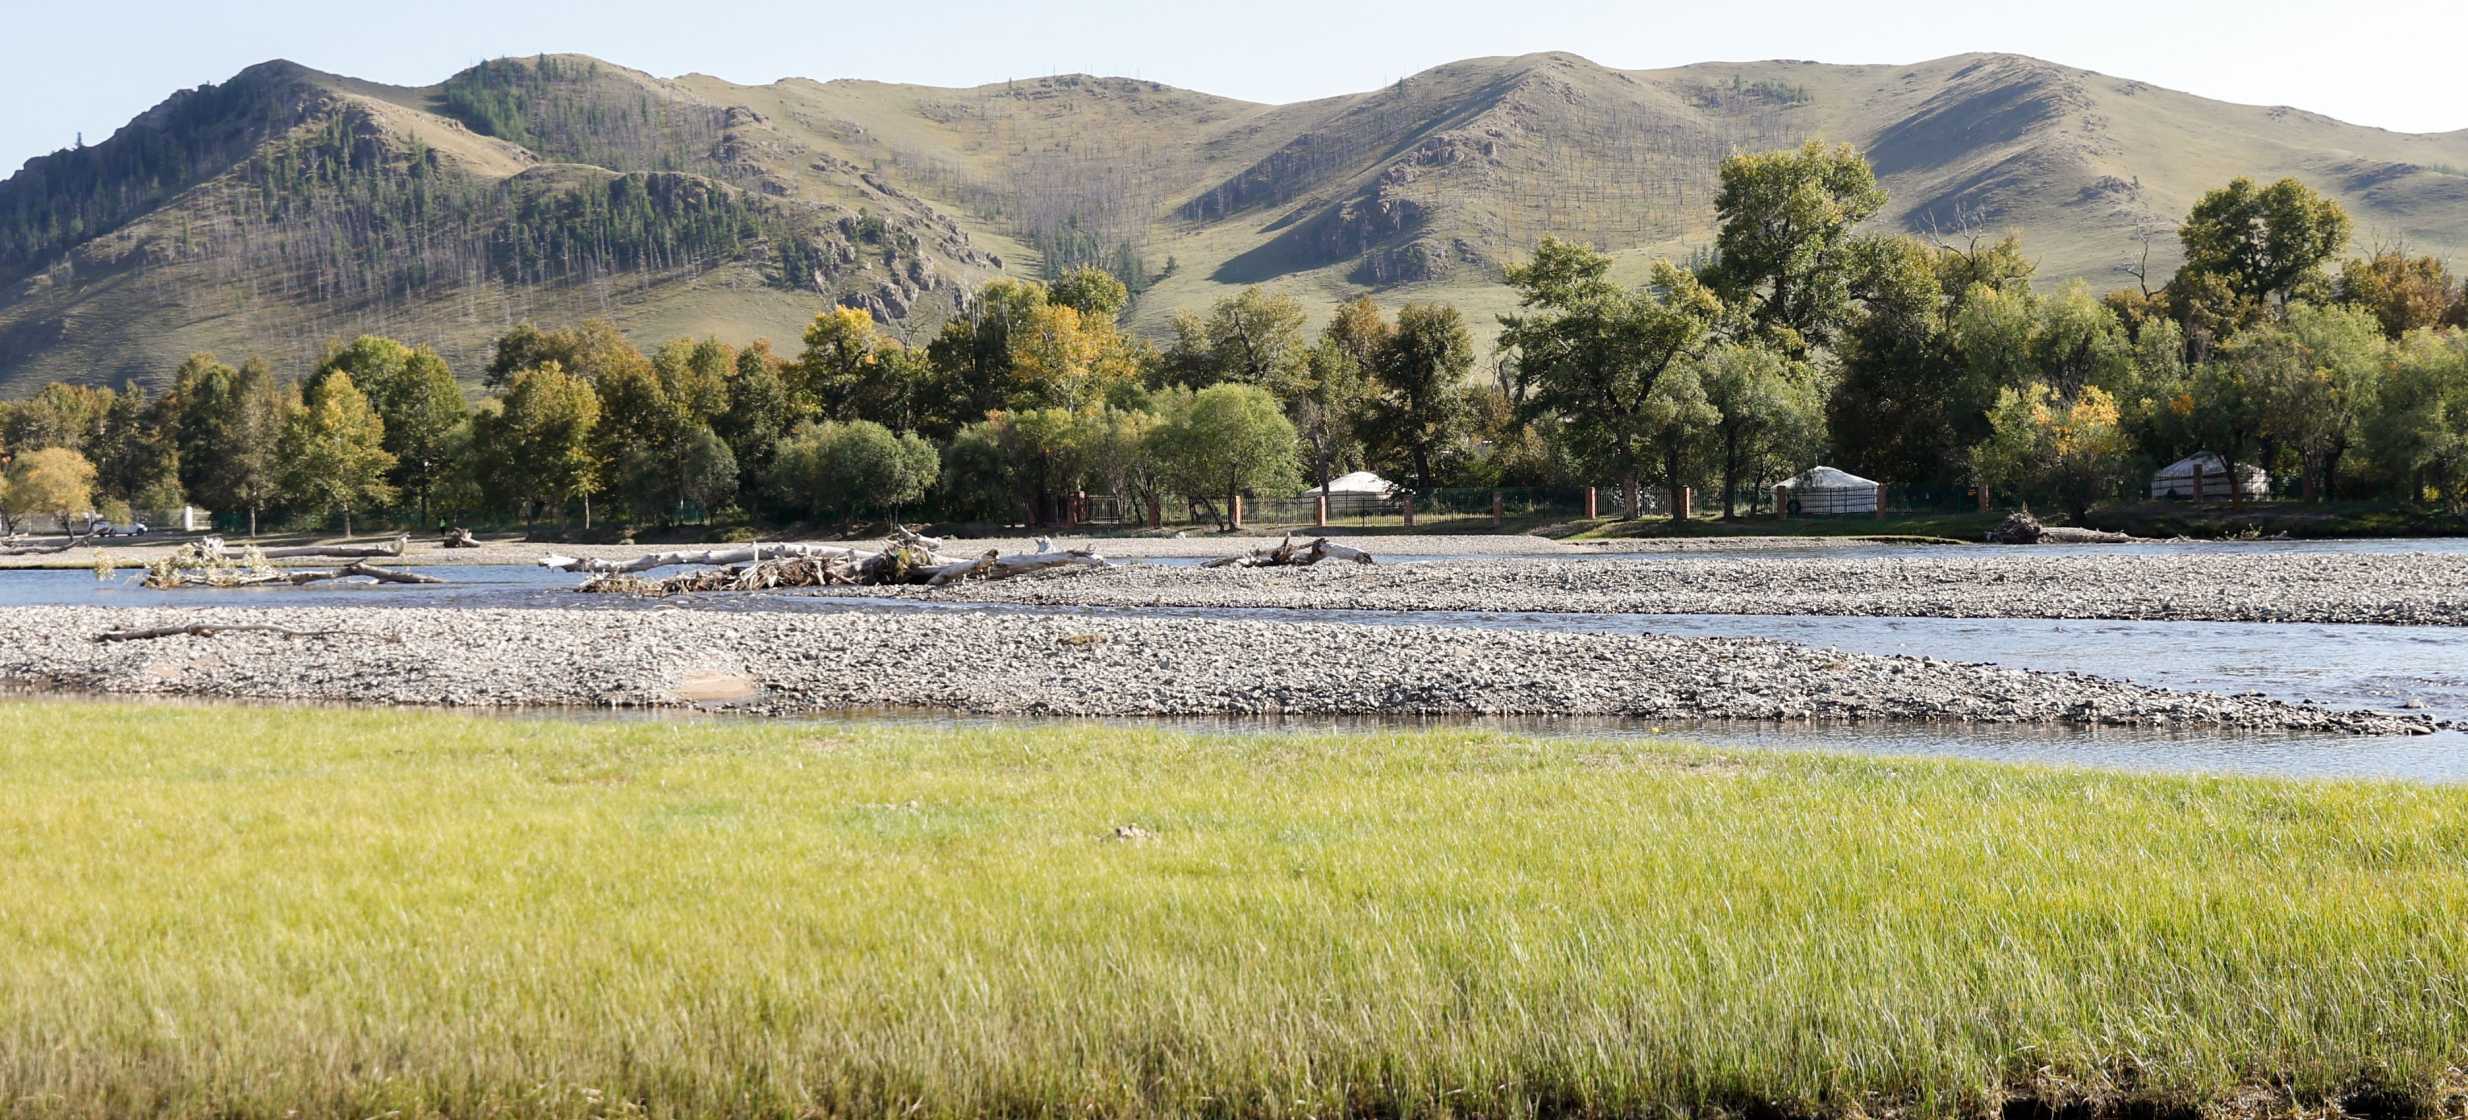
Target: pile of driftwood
[[2022, 528], [1288, 555], [210, 562], [906, 560]]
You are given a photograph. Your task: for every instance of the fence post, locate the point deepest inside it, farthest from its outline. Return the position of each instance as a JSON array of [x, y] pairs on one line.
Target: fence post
[[1319, 511], [1593, 504], [1880, 499], [1688, 504], [1235, 510], [1409, 511], [1782, 501], [1497, 508]]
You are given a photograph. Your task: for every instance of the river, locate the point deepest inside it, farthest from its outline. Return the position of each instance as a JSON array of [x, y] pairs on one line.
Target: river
[[2344, 666]]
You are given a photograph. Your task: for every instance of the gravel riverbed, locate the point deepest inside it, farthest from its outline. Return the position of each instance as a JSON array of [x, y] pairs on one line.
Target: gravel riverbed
[[991, 663], [2405, 589]]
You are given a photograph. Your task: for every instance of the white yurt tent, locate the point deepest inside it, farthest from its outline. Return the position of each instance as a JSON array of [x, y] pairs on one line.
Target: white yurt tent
[[2176, 480], [1359, 482], [1823, 490]]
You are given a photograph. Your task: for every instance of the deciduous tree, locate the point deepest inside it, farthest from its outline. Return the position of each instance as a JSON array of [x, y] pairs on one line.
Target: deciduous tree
[[333, 450]]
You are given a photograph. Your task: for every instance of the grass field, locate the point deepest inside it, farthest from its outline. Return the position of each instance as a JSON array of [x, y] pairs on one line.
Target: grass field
[[261, 912]]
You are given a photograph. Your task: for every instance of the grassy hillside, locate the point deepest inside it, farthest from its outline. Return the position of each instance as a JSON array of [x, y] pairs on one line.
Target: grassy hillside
[[117, 259]]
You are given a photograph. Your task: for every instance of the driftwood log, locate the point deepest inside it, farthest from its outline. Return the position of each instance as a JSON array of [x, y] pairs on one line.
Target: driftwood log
[[295, 577], [1288, 555], [16, 549], [209, 631], [458, 537], [392, 548]]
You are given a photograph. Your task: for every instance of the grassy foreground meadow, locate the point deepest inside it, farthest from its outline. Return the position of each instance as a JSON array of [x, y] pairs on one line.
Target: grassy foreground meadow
[[234, 911]]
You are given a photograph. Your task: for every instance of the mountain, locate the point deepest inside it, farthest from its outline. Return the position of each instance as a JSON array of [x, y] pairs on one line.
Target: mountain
[[286, 207]]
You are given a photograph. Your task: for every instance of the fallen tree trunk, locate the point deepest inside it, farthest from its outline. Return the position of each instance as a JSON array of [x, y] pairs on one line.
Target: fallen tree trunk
[[215, 546], [361, 570], [1287, 555], [46, 549], [458, 538], [209, 631], [744, 554]]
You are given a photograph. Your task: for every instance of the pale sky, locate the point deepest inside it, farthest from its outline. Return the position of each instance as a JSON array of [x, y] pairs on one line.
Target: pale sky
[[71, 67]]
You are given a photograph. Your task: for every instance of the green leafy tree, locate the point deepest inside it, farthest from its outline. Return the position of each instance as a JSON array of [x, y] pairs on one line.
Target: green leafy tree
[[1092, 292], [591, 350], [333, 450], [46, 480], [696, 469], [1768, 416], [2070, 450], [59, 415], [1119, 446], [2319, 403], [760, 411], [136, 453], [1787, 249], [1254, 337], [423, 410], [2228, 398], [1018, 461], [853, 468], [1232, 439], [1333, 405], [1589, 354], [540, 440], [971, 357], [2418, 433], [371, 360], [2404, 293], [2263, 242], [1419, 412]]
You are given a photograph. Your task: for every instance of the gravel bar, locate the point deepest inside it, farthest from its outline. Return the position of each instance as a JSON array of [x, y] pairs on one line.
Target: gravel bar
[[2417, 589], [1010, 664]]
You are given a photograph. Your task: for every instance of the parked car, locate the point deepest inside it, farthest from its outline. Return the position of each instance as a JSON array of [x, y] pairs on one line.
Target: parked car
[[132, 529]]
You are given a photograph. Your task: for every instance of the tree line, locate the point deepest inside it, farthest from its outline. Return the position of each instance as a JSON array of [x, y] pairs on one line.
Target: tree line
[[1796, 338]]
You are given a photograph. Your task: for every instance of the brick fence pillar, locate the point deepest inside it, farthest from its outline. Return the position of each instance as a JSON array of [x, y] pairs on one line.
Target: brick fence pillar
[[1880, 499], [1409, 511], [1497, 508], [1319, 511], [1593, 503]]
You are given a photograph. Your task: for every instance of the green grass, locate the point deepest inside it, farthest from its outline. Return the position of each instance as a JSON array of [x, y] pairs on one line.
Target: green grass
[[2324, 520], [1966, 526], [244, 912]]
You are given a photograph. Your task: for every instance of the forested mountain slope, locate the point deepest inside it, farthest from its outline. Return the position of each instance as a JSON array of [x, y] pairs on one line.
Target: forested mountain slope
[[285, 207]]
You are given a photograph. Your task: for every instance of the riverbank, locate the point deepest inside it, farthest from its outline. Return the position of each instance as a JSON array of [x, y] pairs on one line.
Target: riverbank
[[2429, 589], [1004, 663], [266, 912]]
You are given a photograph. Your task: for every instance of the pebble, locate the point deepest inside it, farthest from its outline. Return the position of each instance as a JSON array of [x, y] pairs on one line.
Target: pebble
[[1018, 664], [2424, 589]]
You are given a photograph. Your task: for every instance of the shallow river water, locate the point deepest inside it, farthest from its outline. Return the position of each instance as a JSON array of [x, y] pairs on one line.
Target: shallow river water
[[2378, 667]]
